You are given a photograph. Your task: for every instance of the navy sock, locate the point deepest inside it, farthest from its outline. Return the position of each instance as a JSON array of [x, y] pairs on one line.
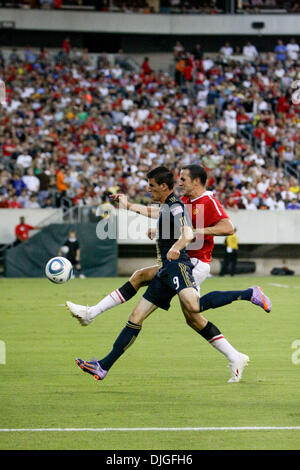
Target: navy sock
[[127, 290], [125, 339], [217, 299]]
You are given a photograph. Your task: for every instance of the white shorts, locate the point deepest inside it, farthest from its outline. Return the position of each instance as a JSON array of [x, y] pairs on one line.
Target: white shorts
[[200, 271]]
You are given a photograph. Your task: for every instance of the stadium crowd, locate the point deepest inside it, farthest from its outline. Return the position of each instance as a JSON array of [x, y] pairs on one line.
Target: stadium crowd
[[72, 131], [189, 7]]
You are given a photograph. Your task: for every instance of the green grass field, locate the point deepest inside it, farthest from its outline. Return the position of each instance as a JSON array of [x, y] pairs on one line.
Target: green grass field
[[170, 377]]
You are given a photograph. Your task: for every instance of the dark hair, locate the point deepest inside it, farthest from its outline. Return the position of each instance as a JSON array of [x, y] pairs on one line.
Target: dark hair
[[162, 175], [197, 171]]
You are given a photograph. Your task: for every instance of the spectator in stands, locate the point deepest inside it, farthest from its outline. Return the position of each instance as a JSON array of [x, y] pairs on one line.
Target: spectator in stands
[[23, 198], [247, 202], [178, 50], [270, 4], [146, 66], [280, 51], [293, 6], [18, 183], [47, 3], [262, 205], [257, 3], [32, 203], [226, 50], [31, 181], [279, 203], [61, 185], [14, 57], [294, 204], [293, 49], [24, 160], [13, 202], [250, 51], [44, 180], [29, 56], [66, 45], [107, 126], [197, 52], [3, 202]]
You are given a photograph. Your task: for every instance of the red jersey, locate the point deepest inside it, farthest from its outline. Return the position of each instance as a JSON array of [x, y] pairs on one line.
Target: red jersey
[[22, 231], [211, 212], [14, 205]]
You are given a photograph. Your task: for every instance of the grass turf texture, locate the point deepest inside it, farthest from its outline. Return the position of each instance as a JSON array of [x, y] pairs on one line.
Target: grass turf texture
[[170, 377]]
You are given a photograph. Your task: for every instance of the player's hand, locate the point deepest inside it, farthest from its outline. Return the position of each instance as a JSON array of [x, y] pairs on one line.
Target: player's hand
[[151, 233], [173, 255], [121, 199]]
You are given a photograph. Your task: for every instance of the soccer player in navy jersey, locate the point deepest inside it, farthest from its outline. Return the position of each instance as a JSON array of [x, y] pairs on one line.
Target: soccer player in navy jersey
[[174, 276], [215, 222]]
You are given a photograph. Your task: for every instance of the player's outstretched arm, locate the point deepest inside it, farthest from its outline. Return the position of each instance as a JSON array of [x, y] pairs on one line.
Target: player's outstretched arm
[[223, 228], [148, 211], [152, 233]]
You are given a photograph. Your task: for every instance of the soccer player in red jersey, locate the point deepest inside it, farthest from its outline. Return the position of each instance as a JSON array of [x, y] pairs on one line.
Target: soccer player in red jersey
[[174, 277], [209, 219]]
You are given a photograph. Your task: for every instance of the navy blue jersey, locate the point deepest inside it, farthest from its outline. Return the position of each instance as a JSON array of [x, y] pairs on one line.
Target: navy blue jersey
[[171, 219], [73, 246]]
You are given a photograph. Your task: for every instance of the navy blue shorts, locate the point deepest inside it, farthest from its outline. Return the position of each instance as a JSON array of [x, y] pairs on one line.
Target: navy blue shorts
[[169, 281]]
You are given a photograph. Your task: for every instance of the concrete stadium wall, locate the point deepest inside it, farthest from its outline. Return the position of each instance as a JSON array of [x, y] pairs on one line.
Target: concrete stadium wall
[[253, 227], [93, 21], [265, 228], [127, 266], [259, 227]]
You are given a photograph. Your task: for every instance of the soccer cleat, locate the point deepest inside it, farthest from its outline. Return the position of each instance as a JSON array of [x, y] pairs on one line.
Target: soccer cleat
[[237, 367], [93, 368], [81, 312], [260, 299]]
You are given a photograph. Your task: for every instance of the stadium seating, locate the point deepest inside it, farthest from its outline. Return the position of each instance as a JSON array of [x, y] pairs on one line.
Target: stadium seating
[[74, 130], [173, 7]]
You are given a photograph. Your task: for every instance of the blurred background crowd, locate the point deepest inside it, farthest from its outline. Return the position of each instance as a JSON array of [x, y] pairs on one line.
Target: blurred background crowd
[[74, 130], [190, 7]]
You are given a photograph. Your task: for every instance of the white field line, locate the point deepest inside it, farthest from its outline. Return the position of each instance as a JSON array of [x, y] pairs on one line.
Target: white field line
[[286, 286], [223, 428], [278, 285]]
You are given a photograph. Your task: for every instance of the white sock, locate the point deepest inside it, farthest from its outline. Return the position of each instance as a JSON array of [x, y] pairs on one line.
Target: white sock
[[222, 345], [110, 301]]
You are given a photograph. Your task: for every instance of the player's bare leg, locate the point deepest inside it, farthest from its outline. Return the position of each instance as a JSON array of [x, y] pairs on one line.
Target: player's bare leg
[[85, 314], [142, 311], [237, 360], [143, 276]]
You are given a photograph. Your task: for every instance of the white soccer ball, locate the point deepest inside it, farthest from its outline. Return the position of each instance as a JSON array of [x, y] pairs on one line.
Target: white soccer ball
[[59, 270], [65, 250]]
